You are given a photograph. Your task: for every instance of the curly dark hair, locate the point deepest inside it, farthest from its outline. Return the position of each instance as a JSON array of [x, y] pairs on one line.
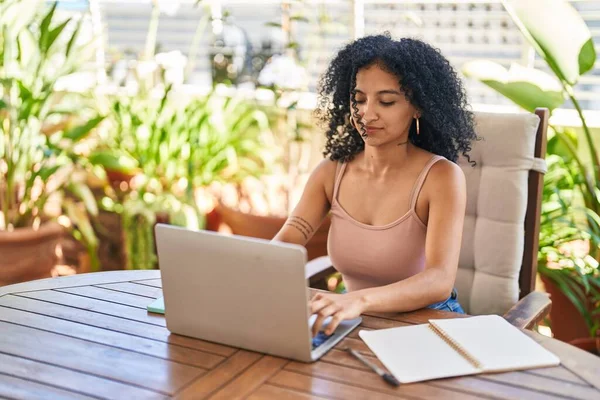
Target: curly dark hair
[[427, 80]]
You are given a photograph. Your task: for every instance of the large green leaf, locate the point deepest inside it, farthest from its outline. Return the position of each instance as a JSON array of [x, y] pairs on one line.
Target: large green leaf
[[54, 34], [73, 38], [558, 33], [46, 172], [82, 131], [114, 160], [556, 144], [45, 27], [527, 87]]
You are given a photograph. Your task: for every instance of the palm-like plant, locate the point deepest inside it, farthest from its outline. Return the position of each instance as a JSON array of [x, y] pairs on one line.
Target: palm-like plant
[[561, 38], [39, 134]]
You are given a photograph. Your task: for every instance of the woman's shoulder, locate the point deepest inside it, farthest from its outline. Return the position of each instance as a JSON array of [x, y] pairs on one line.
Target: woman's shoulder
[[441, 167], [441, 170], [325, 169], [324, 172], [445, 175], [324, 175], [446, 169]]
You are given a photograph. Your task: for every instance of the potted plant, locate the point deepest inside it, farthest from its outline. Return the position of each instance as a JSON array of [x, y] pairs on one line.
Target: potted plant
[[166, 150], [570, 274], [39, 139], [560, 37]]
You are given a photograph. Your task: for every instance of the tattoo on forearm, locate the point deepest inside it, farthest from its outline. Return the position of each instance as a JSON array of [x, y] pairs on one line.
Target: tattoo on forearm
[[303, 222], [299, 227]]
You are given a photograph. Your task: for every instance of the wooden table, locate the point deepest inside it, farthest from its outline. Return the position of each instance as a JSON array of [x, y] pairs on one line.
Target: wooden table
[[90, 336]]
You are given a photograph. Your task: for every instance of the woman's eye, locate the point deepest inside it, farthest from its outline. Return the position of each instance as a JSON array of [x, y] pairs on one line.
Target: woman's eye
[[360, 101], [387, 103]]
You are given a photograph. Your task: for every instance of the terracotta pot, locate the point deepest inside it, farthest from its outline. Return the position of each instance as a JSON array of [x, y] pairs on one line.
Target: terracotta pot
[[589, 344], [111, 237], [111, 248], [74, 254], [567, 323], [265, 227], [29, 254], [116, 177]]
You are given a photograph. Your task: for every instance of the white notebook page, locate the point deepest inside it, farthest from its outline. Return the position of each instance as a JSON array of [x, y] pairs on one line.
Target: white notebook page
[[495, 343], [416, 353]]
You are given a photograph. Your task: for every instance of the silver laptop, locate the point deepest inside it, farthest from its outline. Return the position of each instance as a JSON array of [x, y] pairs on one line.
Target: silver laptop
[[240, 291]]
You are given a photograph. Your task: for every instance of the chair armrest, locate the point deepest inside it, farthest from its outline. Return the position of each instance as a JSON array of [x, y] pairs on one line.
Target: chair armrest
[[317, 270], [530, 310]]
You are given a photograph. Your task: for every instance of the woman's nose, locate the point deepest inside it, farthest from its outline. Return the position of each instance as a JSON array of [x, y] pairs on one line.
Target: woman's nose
[[367, 112]]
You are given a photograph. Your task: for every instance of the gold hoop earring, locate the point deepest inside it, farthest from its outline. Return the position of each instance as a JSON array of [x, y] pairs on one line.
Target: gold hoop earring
[[417, 118]]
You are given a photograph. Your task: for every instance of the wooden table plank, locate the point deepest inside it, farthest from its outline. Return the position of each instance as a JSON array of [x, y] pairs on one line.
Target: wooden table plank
[[94, 278], [343, 358], [378, 323], [105, 361], [544, 385], [220, 376], [69, 380], [356, 344], [354, 333], [133, 288], [489, 389], [157, 283], [251, 379], [559, 373], [116, 324], [110, 338], [372, 381], [97, 306], [112, 296], [16, 388], [276, 393], [583, 364], [422, 316], [328, 388]]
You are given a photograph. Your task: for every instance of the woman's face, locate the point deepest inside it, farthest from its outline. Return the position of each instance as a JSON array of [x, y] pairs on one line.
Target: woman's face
[[383, 109]]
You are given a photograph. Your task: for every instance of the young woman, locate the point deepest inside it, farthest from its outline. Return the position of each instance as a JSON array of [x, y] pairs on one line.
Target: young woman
[[397, 120]]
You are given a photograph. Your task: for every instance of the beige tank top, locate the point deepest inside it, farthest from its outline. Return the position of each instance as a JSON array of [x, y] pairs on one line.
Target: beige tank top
[[371, 256]]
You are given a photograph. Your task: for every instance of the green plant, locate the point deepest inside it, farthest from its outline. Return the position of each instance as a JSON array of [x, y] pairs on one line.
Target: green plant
[[561, 38], [42, 130], [163, 150], [562, 226]]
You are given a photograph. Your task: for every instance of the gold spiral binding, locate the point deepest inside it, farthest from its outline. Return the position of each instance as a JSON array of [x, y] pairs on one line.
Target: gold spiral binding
[[456, 346]]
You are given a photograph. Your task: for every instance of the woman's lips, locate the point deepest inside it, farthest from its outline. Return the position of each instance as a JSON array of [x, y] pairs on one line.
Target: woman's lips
[[371, 130]]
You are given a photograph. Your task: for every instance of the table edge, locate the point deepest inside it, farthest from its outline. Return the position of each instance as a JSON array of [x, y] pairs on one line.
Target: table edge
[[90, 278]]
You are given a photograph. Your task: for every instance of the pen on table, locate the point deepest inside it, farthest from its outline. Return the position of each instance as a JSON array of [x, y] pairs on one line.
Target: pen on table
[[389, 378]]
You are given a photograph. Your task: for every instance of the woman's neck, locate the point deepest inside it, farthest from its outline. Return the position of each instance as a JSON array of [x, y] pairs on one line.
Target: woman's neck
[[380, 160]]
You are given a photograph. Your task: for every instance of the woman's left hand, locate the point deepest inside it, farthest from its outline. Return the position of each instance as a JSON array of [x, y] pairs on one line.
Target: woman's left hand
[[337, 306]]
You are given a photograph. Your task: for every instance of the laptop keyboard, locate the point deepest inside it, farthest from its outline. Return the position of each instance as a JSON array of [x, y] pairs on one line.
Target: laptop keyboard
[[319, 339]]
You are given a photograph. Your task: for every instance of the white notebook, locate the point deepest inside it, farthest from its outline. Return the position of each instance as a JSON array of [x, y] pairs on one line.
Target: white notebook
[[455, 347]]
